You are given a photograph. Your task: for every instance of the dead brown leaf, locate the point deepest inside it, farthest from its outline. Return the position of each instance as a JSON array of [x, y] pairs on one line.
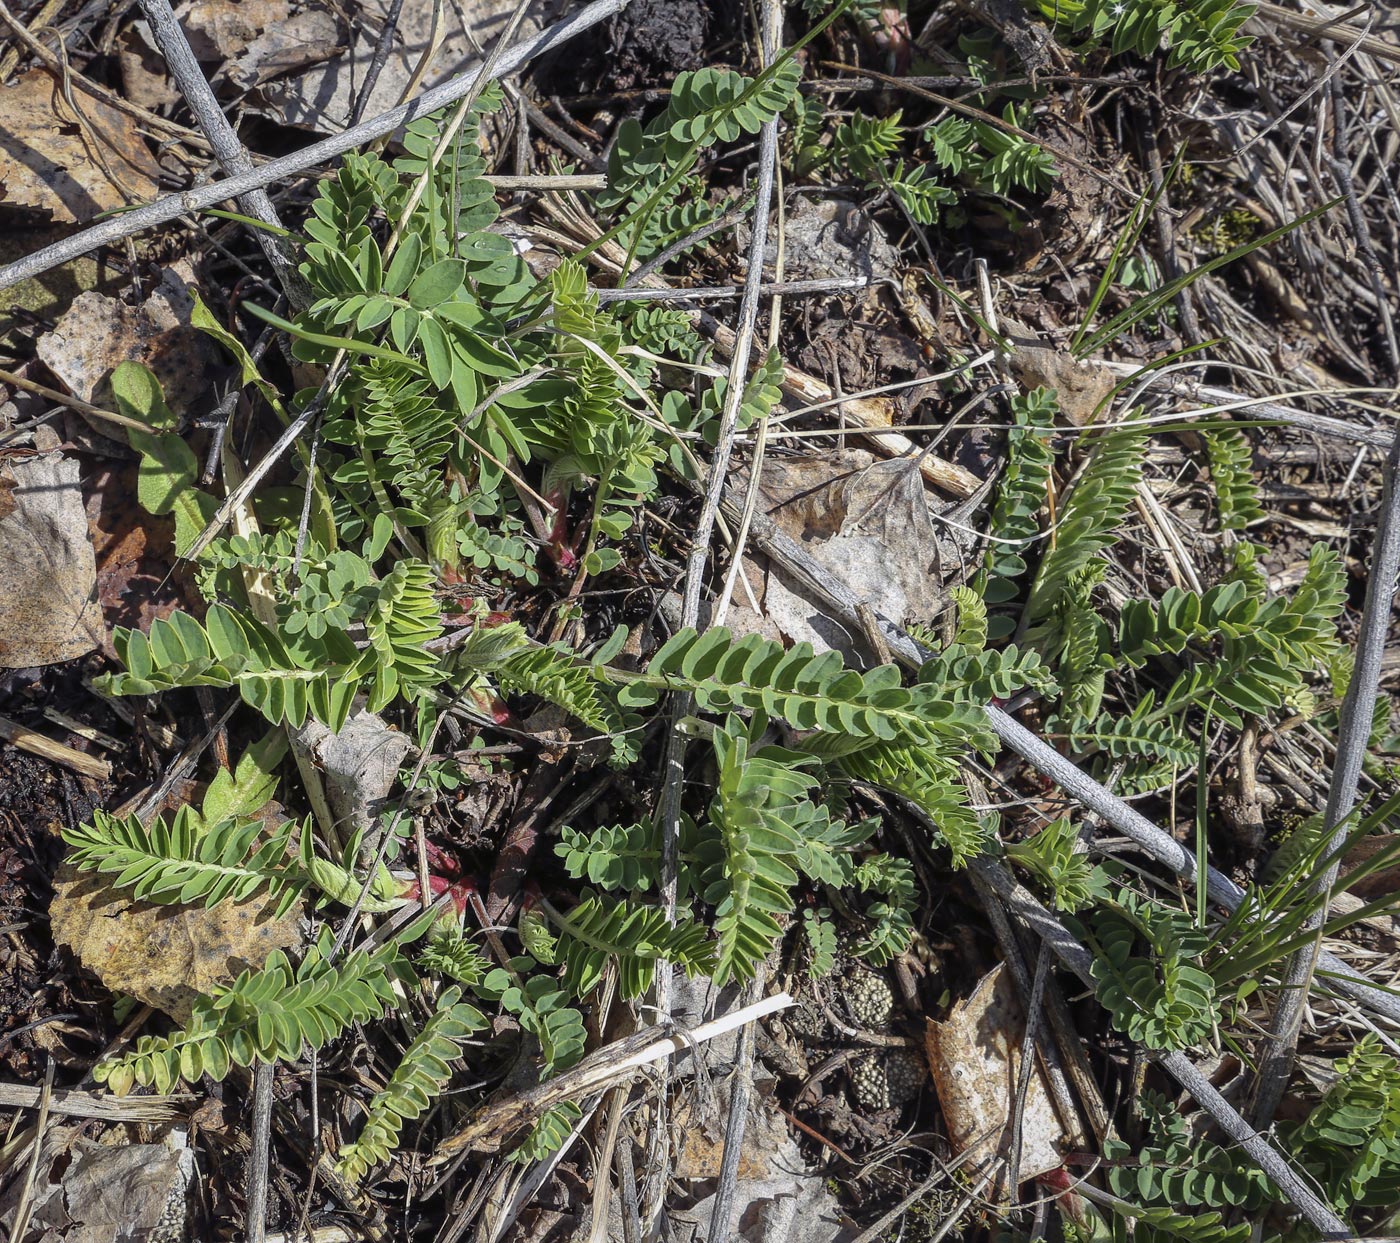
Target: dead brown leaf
[[361, 764], [98, 332], [71, 166], [48, 574], [975, 1058], [146, 81], [220, 30], [105, 1192], [865, 520], [322, 96], [138, 579], [308, 38], [700, 1140], [165, 956], [1080, 386]]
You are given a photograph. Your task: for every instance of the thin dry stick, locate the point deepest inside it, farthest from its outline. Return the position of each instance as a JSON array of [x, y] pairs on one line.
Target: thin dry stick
[[1061, 1096], [1329, 28], [448, 133], [771, 34], [699, 293], [377, 61], [603, 1162], [600, 1069], [1080, 960], [164, 210], [740, 1087], [1255, 407], [35, 743], [255, 1227], [76, 1103], [73, 403], [20, 1222], [879, 1229], [1165, 848], [673, 769], [41, 19], [189, 77], [1340, 164], [1355, 728], [547, 181]]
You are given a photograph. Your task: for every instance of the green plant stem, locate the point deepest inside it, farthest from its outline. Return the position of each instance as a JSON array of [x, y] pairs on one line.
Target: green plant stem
[[673, 770], [640, 214], [845, 605], [1202, 821]]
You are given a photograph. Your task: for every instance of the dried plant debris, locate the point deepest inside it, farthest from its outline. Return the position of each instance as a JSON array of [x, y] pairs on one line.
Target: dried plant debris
[[308, 71], [69, 157], [48, 572], [361, 763], [99, 332], [107, 1192], [221, 30], [864, 520], [975, 1057]]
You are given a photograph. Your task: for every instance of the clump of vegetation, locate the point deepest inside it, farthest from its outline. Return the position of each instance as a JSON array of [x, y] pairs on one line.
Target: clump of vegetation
[[497, 446]]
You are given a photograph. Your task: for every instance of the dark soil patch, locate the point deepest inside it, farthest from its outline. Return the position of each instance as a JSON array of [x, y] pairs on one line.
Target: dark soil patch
[[644, 47]]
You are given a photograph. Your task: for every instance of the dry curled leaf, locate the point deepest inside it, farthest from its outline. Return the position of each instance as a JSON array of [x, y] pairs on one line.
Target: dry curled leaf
[[48, 574], [322, 96], [361, 764], [220, 30], [165, 956], [699, 1129], [308, 38], [105, 1192], [975, 1057], [1080, 386], [73, 165]]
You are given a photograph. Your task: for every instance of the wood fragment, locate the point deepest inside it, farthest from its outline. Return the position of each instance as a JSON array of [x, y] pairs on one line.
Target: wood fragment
[[493, 1124], [74, 726], [103, 1106], [36, 743]]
